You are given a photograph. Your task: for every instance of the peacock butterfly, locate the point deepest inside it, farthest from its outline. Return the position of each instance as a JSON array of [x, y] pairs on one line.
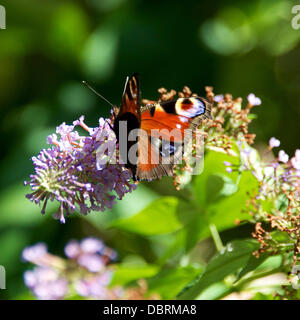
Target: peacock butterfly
[[158, 122]]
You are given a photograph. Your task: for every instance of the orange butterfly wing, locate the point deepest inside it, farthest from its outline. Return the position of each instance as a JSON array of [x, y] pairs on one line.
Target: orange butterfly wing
[[131, 97], [180, 114], [163, 125]]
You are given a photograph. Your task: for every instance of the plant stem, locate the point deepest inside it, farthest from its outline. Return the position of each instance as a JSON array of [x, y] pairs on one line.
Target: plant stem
[[216, 237]]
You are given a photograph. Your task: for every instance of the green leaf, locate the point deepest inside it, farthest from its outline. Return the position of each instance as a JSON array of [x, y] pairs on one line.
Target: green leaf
[[215, 291], [219, 186], [212, 186], [169, 282], [263, 264], [282, 202], [224, 213], [261, 296], [268, 204], [125, 273], [281, 237], [165, 215], [213, 165], [221, 197], [196, 230], [235, 256], [130, 205]]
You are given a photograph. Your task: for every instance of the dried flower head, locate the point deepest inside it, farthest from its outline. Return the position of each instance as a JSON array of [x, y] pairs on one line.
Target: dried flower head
[[277, 205]]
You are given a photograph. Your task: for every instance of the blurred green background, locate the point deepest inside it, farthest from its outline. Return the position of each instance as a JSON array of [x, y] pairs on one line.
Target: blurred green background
[[50, 46]]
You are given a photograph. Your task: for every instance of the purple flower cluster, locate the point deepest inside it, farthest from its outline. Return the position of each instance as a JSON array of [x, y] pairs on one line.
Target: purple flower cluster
[[90, 253], [85, 272], [46, 283], [68, 172]]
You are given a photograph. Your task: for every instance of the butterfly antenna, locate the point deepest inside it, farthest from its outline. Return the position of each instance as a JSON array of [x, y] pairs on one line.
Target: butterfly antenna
[[126, 81], [97, 93]]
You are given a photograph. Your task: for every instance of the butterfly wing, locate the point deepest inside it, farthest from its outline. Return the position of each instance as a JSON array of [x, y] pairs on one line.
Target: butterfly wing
[[181, 114], [156, 159], [129, 113], [131, 97], [164, 124], [159, 146], [149, 164]]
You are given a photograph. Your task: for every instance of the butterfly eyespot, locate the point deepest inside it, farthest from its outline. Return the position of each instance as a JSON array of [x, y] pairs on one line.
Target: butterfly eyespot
[[167, 149], [189, 107]]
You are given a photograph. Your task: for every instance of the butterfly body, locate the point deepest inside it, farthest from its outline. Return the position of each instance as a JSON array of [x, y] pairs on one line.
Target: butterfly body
[[132, 123], [162, 125]]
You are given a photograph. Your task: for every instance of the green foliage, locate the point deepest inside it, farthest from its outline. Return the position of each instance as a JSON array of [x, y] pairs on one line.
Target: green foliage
[[169, 282], [220, 197], [234, 257], [165, 215], [125, 273]]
